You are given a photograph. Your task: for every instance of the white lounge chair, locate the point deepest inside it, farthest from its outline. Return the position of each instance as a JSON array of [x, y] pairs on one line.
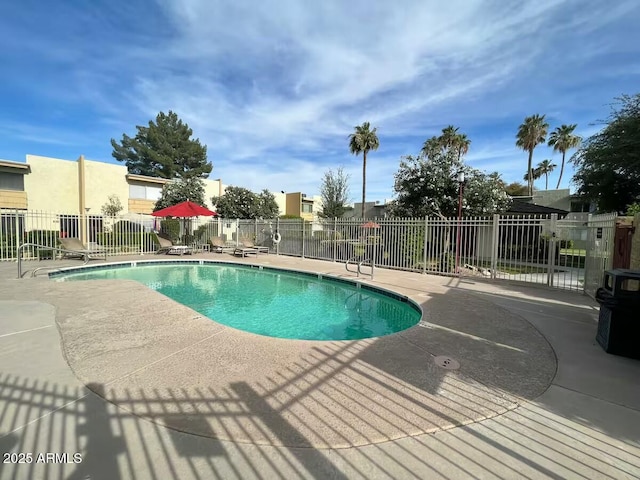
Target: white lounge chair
[[75, 248], [168, 248], [218, 245], [246, 243]]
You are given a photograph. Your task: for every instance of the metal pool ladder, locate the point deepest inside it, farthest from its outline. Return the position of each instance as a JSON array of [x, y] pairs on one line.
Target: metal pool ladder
[[359, 271]]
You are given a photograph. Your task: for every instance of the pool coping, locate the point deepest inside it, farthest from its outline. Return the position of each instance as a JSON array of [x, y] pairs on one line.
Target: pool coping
[[356, 283]]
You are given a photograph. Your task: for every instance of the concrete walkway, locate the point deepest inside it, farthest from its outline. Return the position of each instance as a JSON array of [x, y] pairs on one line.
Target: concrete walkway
[[347, 410]]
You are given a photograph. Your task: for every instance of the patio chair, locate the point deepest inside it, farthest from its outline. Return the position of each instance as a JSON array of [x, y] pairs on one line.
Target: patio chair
[[244, 251], [75, 248], [246, 243], [218, 245], [168, 248]]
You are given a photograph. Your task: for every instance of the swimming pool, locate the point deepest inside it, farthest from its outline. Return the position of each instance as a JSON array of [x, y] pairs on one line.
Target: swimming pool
[[269, 301]]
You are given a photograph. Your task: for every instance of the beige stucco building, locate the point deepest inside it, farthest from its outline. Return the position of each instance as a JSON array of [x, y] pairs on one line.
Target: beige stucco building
[[300, 205], [80, 186], [68, 195], [64, 195]]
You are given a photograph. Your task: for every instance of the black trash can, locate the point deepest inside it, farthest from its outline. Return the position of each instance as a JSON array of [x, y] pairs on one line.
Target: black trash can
[[619, 319]]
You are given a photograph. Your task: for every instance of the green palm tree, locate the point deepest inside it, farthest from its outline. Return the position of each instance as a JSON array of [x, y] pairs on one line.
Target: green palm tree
[[363, 139], [545, 167], [462, 145], [535, 175], [431, 147], [531, 133], [449, 138], [563, 139]]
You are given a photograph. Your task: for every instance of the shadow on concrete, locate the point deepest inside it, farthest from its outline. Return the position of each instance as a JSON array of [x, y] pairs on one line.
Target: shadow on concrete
[[303, 406]]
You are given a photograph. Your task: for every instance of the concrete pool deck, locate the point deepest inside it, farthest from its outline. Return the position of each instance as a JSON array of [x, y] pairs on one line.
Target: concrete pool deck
[[103, 368]]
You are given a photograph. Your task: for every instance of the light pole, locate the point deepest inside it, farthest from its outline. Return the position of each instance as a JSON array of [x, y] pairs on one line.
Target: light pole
[[460, 192], [86, 226]]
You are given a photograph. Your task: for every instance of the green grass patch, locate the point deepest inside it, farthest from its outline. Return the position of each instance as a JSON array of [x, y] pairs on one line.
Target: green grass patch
[[573, 252], [515, 269]]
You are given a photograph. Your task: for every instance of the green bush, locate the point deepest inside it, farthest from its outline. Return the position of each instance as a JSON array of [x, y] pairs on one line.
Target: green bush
[[45, 254], [327, 235], [188, 239], [125, 239], [50, 238], [126, 227], [170, 228], [566, 244]]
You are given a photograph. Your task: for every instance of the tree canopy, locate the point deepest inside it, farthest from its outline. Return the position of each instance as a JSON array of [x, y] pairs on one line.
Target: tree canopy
[[239, 202], [113, 206], [608, 163], [545, 167], [362, 140], [179, 191], [427, 185], [563, 139], [516, 189], [163, 149], [334, 191], [531, 133]]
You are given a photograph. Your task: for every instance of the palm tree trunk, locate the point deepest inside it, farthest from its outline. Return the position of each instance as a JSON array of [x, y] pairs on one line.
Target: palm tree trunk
[[561, 170], [546, 181], [364, 178], [530, 172]]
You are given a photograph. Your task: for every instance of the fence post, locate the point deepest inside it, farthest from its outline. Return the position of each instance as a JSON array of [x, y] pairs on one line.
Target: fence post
[[424, 253], [237, 232], [278, 232], [17, 230], [255, 233], [303, 222], [589, 247], [141, 223], [335, 239], [552, 249], [495, 236]]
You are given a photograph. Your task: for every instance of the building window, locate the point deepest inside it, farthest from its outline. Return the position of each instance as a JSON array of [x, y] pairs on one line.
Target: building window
[[307, 208], [143, 192], [12, 181]]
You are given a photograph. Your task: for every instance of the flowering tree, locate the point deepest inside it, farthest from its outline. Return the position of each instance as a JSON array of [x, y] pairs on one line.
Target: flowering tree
[[238, 202], [179, 191], [429, 187]]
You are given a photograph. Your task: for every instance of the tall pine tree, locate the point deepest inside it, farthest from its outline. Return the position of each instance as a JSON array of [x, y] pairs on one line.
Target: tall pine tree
[[164, 149]]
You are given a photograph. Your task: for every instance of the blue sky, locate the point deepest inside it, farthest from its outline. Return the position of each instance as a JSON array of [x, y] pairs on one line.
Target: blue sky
[[274, 87]]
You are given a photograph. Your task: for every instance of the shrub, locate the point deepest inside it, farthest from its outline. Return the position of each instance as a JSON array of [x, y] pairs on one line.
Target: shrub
[[327, 235], [126, 227], [170, 227], [50, 238]]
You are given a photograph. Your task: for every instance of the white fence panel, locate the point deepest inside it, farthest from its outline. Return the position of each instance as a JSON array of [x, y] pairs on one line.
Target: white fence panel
[[567, 254]]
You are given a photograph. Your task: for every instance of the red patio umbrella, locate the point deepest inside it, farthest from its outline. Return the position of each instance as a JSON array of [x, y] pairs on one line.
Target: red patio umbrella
[[370, 224], [185, 210]]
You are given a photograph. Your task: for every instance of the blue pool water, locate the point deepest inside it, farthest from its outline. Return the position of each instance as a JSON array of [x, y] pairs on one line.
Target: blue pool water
[[269, 302]]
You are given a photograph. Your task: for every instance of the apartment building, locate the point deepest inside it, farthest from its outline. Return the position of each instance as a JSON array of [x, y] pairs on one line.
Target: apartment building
[[300, 205], [70, 191]]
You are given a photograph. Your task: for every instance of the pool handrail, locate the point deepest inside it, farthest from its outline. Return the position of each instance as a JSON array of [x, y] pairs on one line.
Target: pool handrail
[[85, 255], [359, 271]]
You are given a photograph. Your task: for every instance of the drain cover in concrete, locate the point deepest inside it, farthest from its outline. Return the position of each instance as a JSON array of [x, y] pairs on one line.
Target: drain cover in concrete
[[447, 362]]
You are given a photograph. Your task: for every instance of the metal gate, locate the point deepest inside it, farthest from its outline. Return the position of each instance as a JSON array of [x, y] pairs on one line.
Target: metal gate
[[599, 251]]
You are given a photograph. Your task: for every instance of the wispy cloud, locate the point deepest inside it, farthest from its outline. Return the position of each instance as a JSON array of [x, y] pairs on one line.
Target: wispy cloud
[[275, 87]]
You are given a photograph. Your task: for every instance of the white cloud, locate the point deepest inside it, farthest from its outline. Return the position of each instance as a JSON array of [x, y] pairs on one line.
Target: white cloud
[[274, 87]]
